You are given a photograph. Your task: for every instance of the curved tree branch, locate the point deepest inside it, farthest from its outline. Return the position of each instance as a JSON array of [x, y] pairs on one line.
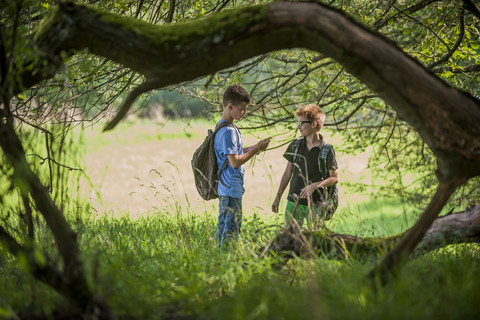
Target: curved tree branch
[[347, 117], [396, 257], [461, 227], [73, 282], [127, 103], [182, 52]]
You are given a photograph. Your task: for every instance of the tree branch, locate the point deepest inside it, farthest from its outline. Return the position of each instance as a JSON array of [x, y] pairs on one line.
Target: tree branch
[[456, 45], [396, 257], [462, 227], [28, 217], [127, 103], [468, 69], [74, 283], [171, 11], [471, 7], [347, 117]]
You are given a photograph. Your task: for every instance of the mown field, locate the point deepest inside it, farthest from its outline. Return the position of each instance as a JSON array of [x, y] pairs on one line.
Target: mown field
[[148, 246]]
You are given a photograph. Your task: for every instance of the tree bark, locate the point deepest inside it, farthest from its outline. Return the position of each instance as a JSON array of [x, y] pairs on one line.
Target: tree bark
[[461, 227]]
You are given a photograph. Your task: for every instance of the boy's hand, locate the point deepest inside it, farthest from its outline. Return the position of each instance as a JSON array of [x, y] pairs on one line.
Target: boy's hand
[[263, 144], [308, 190], [275, 205]]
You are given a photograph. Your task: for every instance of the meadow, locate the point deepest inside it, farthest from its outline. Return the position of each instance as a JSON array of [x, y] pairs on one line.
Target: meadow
[[147, 243]]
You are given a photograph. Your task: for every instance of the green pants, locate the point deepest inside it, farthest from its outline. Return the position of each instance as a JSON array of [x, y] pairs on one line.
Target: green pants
[[300, 214]]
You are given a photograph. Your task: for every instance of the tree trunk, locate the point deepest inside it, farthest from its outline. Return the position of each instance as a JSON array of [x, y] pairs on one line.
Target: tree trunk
[[71, 282], [462, 227]]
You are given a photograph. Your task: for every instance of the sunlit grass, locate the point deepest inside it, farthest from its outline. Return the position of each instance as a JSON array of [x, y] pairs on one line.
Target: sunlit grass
[[168, 263], [375, 217]]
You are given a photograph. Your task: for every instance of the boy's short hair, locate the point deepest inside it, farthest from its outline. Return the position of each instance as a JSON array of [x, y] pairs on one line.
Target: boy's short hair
[[312, 112], [235, 95]]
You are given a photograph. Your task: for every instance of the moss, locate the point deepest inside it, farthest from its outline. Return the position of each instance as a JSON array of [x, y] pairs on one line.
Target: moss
[[219, 25], [50, 19], [326, 242]]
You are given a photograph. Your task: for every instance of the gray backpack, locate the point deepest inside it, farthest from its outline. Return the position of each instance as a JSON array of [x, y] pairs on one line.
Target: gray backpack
[[204, 165]]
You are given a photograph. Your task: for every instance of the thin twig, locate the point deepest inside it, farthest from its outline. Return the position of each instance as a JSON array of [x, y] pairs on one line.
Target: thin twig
[[54, 161], [456, 45]]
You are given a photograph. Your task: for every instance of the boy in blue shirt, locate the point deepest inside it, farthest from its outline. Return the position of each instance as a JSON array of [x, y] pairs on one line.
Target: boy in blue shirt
[[230, 152]]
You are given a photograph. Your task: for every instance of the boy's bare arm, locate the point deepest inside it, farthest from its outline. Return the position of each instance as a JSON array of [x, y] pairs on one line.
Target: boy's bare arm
[[247, 149], [330, 181], [236, 160], [287, 175]]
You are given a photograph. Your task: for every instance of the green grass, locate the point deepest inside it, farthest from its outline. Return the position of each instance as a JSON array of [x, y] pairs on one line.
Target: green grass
[[166, 265], [372, 218]]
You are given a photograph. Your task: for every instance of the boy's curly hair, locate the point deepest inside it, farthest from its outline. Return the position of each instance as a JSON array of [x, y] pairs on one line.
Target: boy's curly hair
[[312, 112], [235, 95]]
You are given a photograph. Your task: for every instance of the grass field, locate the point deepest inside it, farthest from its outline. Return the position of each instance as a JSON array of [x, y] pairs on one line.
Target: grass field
[[149, 250]]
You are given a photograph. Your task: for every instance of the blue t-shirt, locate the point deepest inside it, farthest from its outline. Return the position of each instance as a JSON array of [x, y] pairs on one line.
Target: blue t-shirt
[[228, 140]]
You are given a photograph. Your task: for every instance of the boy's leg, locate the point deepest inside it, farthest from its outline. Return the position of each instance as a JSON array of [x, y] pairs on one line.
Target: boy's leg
[[222, 207], [233, 219]]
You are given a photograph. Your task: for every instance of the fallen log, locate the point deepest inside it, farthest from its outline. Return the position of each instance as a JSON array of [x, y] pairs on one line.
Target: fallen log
[[461, 227]]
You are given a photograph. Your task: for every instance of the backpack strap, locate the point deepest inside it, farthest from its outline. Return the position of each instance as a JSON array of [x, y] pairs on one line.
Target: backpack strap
[[226, 124], [322, 167], [322, 156], [322, 160], [296, 146], [221, 125]]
